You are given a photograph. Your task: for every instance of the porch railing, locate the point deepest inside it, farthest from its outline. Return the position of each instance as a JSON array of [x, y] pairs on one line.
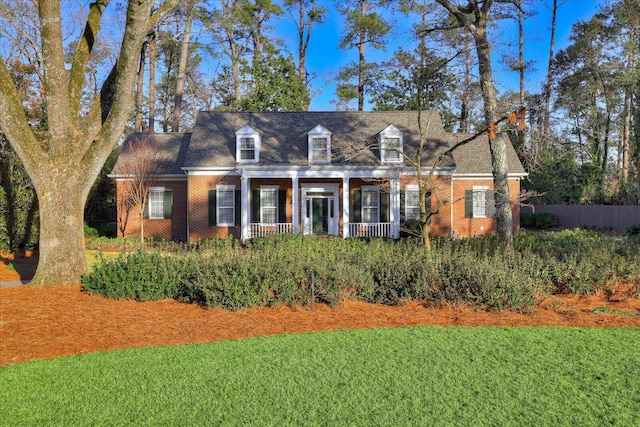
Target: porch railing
[[375, 229], [266, 229]]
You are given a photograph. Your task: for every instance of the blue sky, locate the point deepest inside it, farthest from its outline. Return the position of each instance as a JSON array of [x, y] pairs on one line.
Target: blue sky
[[325, 57]]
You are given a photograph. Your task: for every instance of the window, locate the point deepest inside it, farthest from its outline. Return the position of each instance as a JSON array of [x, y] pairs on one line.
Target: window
[[370, 204], [480, 203], [269, 204], [247, 149], [247, 145], [319, 145], [319, 149], [225, 201], [156, 203], [391, 145], [412, 203], [159, 205]]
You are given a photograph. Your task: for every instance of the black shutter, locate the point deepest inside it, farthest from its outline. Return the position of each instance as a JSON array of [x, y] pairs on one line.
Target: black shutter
[[212, 208], [168, 204], [384, 207], [490, 203], [145, 211], [403, 217], [238, 208], [255, 206], [468, 203], [427, 205], [357, 205], [282, 206]]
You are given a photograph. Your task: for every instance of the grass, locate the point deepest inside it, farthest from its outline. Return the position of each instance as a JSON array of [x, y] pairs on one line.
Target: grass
[[408, 376]]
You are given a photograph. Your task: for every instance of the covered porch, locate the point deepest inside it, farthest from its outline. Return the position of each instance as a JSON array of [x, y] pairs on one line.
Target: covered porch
[[315, 202]]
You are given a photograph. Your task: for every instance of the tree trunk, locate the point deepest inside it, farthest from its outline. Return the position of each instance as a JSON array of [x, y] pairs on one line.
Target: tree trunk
[[361, 63], [498, 145], [182, 69], [140, 89], [547, 86], [152, 83], [61, 207]]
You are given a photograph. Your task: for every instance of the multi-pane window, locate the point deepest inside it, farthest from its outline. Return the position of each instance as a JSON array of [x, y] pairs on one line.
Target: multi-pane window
[[412, 203], [247, 148], [269, 205], [225, 203], [479, 201], [391, 147], [370, 204], [319, 149], [156, 203]]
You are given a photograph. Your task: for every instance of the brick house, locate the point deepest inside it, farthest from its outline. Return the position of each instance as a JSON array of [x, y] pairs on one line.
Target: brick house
[[339, 173]]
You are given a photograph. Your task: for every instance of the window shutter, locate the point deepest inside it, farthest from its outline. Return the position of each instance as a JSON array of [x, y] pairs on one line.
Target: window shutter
[[468, 203], [145, 211], [427, 204], [255, 206], [357, 205], [402, 213], [384, 207], [490, 203], [238, 208], [168, 204], [282, 206], [212, 208]]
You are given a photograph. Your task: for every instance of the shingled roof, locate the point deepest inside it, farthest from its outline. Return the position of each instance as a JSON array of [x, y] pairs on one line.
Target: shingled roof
[[171, 149], [475, 156], [285, 141]]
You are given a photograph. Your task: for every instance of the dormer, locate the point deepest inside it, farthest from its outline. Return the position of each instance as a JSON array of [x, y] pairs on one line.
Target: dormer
[[391, 144], [319, 145], [247, 145]]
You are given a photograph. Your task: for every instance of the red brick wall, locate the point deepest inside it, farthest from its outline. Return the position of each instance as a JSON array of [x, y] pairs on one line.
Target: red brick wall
[[168, 229], [440, 203], [480, 226], [199, 187]]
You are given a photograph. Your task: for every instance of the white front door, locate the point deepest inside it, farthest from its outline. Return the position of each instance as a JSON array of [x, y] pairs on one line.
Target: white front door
[[320, 209]]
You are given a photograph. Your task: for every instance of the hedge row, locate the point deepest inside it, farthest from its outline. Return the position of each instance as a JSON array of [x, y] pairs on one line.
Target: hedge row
[[278, 271]]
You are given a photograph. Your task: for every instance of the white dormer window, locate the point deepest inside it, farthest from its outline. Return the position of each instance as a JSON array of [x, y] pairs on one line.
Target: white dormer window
[[247, 145], [390, 140], [319, 145]]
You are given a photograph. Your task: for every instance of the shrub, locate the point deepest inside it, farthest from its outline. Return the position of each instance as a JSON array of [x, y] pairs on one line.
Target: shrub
[[540, 220], [633, 231], [90, 232]]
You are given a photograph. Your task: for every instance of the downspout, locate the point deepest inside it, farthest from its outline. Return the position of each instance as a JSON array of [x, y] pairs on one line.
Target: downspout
[[188, 208], [451, 202]]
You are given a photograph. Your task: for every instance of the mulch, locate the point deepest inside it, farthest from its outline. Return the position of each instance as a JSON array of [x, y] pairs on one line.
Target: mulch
[[42, 323]]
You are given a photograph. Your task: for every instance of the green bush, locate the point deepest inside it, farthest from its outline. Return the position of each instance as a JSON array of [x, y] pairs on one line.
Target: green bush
[[540, 220], [633, 231], [278, 270], [90, 232]]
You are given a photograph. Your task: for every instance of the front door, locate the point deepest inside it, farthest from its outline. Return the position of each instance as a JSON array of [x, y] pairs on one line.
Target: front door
[[320, 212]]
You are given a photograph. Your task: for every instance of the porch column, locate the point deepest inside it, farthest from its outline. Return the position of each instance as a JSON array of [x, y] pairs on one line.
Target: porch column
[[345, 206], [295, 196], [394, 216], [244, 205]]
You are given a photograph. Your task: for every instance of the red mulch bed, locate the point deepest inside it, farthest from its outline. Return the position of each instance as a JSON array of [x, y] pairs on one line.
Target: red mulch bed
[[58, 321]]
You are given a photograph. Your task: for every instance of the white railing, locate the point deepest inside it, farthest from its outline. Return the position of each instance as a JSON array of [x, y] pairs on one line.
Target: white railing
[[375, 229], [264, 229]]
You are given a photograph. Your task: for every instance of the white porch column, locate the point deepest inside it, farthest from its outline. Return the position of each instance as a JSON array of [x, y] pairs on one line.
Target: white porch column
[[244, 205], [395, 207], [295, 201], [345, 206]]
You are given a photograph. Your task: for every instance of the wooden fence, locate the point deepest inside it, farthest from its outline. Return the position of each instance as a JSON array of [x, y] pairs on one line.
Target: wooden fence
[[601, 217]]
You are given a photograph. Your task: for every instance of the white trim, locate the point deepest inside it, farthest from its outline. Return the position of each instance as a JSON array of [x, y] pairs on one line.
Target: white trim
[[160, 190], [480, 189], [181, 177], [391, 132], [245, 133], [468, 176], [375, 188], [220, 188], [275, 188], [333, 225], [318, 132], [407, 188]]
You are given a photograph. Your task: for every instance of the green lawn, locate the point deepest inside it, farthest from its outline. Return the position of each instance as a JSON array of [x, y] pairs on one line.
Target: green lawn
[[419, 376]]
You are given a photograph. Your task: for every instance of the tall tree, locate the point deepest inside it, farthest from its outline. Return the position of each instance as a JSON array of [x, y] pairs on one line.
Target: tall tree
[[547, 86], [182, 65], [364, 27], [308, 14], [65, 162], [474, 18]]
